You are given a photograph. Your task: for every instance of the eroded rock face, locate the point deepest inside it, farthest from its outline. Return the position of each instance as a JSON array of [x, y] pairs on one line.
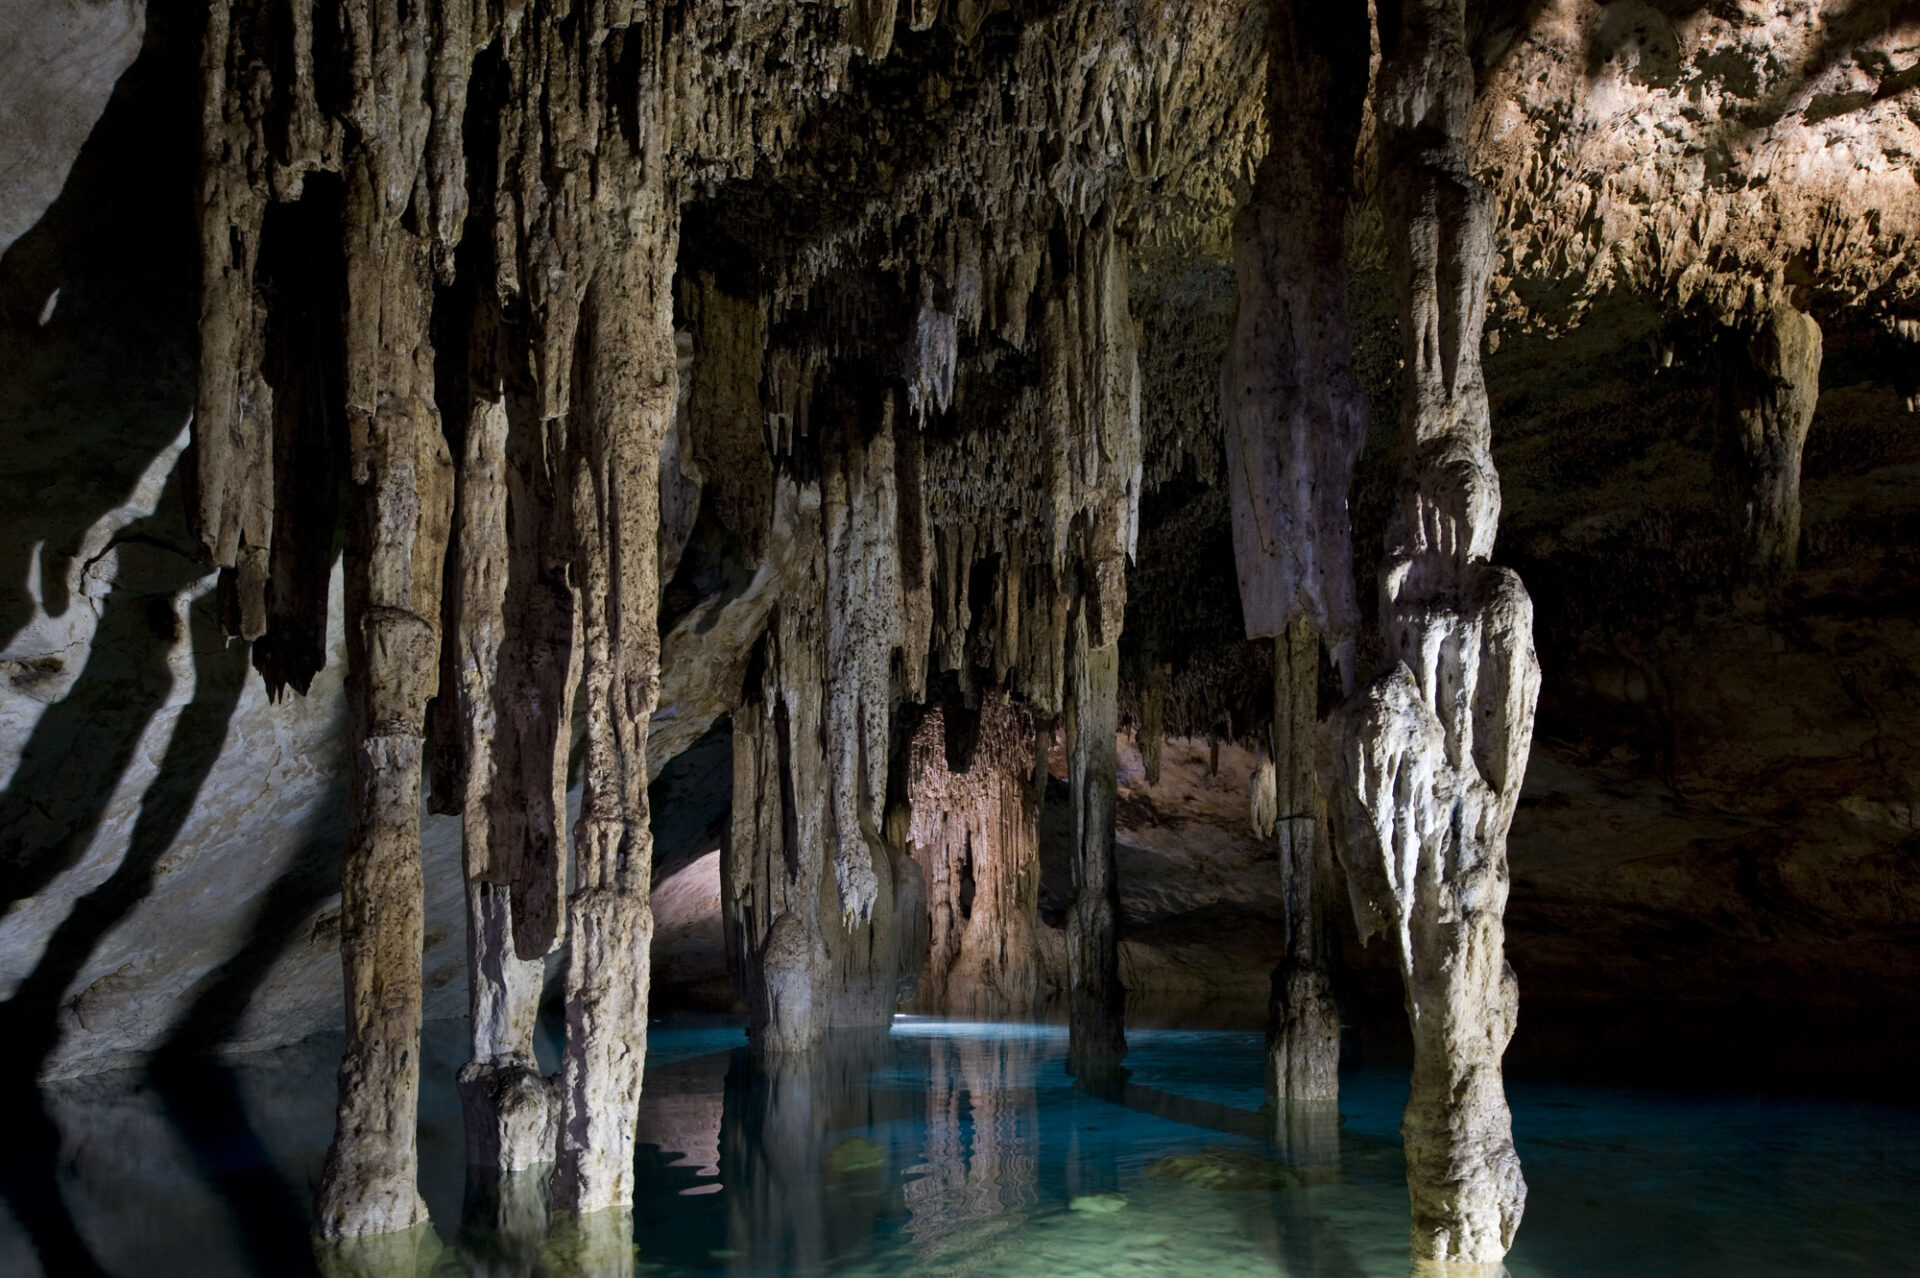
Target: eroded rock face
[[1729, 157]]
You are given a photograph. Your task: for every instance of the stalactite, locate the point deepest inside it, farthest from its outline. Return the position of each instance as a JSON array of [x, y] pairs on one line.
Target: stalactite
[[1428, 760], [976, 837], [1294, 418], [806, 965], [860, 507], [1293, 414], [509, 179], [1769, 387]]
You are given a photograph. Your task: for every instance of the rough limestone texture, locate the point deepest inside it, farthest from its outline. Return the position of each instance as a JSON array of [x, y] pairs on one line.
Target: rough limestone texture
[[1303, 1023], [804, 961], [1293, 417], [1427, 761], [1725, 158]]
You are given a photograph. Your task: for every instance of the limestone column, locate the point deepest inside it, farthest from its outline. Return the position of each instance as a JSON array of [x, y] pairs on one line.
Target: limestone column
[[1096, 1000], [402, 483], [1303, 1026], [1428, 760], [825, 912], [1294, 420], [1769, 388], [629, 385], [1090, 380]]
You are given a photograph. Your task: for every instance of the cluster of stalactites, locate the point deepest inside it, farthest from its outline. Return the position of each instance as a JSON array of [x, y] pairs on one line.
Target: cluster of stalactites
[[809, 775], [975, 834]]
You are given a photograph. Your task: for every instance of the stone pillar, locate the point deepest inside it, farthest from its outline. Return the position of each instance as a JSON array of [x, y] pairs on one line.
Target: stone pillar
[[1090, 377], [1303, 1025], [825, 915], [1769, 387], [630, 383], [1428, 760], [506, 1103], [402, 478], [1096, 1000], [1295, 419]]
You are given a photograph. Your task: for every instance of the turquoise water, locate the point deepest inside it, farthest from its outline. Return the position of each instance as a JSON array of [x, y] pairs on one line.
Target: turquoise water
[[949, 1148]]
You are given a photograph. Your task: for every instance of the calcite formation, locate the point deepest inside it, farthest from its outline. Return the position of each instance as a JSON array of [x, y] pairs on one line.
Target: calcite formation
[[975, 833], [1770, 385], [1293, 419], [1428, 759]]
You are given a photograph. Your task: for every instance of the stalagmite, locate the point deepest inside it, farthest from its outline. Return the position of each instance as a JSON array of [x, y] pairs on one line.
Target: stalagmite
[[1769, 387], [1428, 760], [1303, 1026], [976, 836], [1294, 418]]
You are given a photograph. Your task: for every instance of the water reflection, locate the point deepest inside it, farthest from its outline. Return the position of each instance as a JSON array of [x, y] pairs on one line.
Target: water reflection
[[949, 1149], [979, 1168], [806, 1182]]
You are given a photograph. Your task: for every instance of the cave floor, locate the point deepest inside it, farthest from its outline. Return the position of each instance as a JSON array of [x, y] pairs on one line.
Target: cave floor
[[963, 1148]]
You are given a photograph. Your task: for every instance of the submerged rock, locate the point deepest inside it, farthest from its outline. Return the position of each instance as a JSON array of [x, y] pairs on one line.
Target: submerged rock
[[1225, 1169]]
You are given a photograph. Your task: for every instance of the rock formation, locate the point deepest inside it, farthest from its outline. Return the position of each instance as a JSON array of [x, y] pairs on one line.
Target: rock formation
[[1770, 384], [975, 834], [1293, 419], [1428, 759]]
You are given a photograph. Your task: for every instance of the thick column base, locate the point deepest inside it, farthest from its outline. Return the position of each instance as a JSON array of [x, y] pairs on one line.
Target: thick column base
[[510, 1115]]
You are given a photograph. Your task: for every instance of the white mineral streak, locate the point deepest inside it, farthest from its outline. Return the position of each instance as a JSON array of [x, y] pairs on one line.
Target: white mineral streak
[[860, 508], [1428, 760]]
